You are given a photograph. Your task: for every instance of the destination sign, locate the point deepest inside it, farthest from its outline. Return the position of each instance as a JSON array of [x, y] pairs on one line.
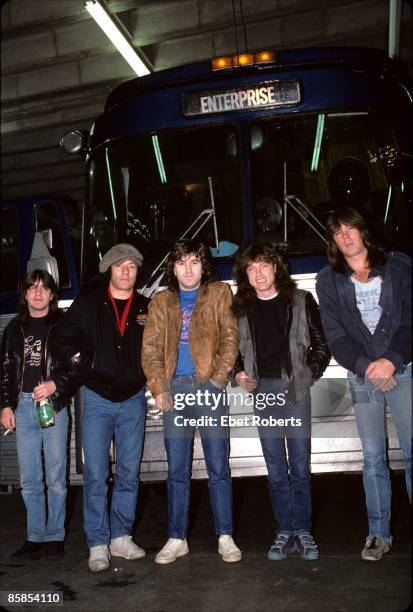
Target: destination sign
[[262, 95]]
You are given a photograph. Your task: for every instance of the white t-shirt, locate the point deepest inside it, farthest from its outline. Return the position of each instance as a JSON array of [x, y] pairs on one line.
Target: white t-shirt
[[367, 299]]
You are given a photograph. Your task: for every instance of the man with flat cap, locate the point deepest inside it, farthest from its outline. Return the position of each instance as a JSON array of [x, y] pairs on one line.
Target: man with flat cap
[[104, 325]]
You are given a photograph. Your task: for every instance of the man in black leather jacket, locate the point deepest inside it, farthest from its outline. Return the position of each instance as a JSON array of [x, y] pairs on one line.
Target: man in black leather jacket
[[30, 372], [105, 326], [282, 352]]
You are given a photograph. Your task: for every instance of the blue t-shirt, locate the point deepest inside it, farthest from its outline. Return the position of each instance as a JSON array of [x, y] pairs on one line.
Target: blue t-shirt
[[185, 365]]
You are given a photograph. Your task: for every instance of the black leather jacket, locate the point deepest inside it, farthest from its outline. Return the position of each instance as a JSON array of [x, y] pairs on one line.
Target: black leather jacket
[[110, 364], [318, 354], [12, 368]]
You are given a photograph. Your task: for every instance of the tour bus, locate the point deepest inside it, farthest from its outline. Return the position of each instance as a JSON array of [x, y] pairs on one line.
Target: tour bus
[[252, 148]]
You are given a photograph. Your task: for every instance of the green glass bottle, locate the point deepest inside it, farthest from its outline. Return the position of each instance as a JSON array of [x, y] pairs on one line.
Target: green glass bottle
[[45, 413]]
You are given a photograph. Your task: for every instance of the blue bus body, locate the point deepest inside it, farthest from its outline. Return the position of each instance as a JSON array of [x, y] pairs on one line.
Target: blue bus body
[[338, 85]]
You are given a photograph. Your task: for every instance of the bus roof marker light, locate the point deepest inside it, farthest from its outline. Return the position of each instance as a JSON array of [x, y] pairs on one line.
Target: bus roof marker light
[[317, 143], [264, 57], [221, 63], [243, 59], [108, 24]]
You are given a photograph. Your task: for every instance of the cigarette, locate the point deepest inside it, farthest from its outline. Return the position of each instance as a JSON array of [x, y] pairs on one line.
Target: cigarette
[[7, 432]]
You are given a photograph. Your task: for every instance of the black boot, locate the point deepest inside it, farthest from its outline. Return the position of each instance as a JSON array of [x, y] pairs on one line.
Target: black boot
[[54, 550], [30, 551]]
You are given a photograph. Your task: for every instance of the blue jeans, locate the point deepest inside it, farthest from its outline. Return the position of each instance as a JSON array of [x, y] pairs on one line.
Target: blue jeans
[[369, 404], [30, 439], [179, 438], [289, 481], [101, 420]]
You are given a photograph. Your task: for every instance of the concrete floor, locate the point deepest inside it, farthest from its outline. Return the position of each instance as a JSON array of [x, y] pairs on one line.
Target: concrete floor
[[338, 582]]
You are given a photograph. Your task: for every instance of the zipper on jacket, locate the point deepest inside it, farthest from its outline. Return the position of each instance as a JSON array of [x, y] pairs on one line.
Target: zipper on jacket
[[22, 376], [177, 343], [45, 362], [287, 354], [115, 323]]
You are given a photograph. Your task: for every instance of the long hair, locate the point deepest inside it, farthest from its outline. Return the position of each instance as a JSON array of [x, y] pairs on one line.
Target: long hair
[[48, 281], [182, 249], [351, 217], [246, 296]]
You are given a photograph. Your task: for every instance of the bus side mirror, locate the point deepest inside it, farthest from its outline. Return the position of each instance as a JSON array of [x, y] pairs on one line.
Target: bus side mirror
[[41, 258], [74, 142]]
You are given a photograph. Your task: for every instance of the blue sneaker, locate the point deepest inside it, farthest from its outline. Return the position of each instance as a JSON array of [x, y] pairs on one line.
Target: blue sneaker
[[307, 547], [283, 545]]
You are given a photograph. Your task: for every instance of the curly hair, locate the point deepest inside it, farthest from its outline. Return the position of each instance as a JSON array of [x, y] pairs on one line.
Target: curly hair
[[246, 296], [48, 281], [351, 217], [182, 249]]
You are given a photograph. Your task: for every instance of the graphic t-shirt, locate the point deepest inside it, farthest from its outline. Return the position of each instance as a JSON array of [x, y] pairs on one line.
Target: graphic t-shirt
[[367, 299], [34, 338], [185, 365], [270, 319]]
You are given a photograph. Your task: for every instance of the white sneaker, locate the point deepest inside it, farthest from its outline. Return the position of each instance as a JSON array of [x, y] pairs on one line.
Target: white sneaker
[[125, 547], [228, 550], [99, 558], [173, 549], [374, 549]]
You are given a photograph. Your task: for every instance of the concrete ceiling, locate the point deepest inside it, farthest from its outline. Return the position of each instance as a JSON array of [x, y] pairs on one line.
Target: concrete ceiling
[[58, 67]]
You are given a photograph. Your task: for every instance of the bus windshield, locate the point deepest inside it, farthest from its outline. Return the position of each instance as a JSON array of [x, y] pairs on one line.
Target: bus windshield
[[148, 189], [327, 161]]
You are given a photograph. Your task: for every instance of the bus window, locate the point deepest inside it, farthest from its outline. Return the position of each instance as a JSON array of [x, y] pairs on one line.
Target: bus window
[[156, 185], [327, 161], [74, 227], [101, 215], [47, 217], [9, 251]]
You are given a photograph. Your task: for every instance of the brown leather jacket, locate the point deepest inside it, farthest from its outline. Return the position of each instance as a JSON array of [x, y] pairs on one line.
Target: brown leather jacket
[[213, 337]]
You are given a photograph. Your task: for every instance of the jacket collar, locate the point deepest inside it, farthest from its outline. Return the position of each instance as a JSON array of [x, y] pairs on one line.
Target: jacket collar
[[378, 270]]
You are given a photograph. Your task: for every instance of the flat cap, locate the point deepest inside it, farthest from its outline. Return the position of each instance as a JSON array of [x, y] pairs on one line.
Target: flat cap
[[120, 252]]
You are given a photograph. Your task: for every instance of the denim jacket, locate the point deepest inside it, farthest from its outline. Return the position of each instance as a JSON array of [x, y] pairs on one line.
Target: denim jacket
[[351, 343]]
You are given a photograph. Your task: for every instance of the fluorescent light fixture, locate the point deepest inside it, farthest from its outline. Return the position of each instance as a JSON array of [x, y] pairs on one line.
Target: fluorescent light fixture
[[116, 36], [317, 143], [112, 195], [347, 114], [387, 205], [395, 20], [159, 160]]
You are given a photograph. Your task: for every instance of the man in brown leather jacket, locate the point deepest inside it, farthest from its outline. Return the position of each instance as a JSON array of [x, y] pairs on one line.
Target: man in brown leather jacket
[[190, 345]]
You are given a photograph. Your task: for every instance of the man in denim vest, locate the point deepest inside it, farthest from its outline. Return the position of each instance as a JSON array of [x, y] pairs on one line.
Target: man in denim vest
[[365, 305]]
